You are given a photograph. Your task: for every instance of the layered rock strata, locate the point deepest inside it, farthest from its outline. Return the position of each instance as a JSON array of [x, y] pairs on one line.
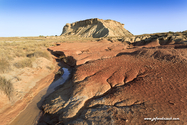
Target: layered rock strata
[[95, 28]]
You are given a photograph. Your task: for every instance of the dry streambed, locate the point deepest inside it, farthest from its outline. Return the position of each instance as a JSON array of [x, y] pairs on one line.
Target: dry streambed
[[40, 81], [31, 114], [24, 64], [117, 84]]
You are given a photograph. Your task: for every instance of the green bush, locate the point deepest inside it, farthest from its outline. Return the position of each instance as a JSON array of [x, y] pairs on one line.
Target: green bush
[[6, 87]]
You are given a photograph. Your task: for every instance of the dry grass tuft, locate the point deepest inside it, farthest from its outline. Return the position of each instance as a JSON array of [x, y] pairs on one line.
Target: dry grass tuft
[[6, 87], [39, 54], [13, 49], [27, 62], [4, 65], [62, 57], [50, 67], [19, 53]]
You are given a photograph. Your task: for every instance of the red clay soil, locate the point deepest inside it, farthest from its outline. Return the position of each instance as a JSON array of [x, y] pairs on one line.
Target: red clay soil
[[87, 51], [127, 86]]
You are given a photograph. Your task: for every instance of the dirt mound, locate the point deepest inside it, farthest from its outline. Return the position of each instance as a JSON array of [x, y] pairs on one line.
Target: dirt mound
[[95, 28], [131, 84]]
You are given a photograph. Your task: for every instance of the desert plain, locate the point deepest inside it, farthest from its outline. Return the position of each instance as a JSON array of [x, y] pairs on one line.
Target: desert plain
[[116, 78]]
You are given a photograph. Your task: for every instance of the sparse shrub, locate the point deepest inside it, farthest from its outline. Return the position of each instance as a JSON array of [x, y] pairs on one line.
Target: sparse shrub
[[69, 60], [6, 53], [18, 78], [62, 57], [39, 54], [178, 34], [24, 63], [19, 53], [42, 54], [6, 86], [4, 65], [50, 67], [65, 60], [171, 32], [60, 72]]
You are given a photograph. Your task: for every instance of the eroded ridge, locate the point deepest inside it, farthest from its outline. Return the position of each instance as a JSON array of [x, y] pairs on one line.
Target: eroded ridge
[[124, 89]]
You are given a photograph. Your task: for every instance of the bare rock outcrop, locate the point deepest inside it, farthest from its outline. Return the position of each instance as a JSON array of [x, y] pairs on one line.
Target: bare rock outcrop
[[164, 38], [95, 28], [131, 84]]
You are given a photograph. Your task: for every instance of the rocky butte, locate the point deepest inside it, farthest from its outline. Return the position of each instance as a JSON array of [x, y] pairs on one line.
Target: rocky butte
[[95, 28]]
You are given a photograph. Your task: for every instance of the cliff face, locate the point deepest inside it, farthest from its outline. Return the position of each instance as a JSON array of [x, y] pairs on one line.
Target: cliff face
[[95, 28]]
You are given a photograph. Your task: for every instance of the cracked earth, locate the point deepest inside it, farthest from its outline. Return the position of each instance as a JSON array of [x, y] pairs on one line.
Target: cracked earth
[[114, 84]]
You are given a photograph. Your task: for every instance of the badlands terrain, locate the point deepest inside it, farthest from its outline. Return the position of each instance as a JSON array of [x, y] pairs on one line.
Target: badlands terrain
[[117, 78]]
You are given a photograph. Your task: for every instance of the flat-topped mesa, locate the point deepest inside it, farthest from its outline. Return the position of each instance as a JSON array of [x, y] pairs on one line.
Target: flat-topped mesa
[[95, 28]]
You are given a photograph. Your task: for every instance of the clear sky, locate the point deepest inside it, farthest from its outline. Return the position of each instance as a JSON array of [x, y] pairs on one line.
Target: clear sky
[[47, 17]]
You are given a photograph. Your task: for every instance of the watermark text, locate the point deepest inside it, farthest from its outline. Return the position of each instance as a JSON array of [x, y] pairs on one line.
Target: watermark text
[[161, 119]]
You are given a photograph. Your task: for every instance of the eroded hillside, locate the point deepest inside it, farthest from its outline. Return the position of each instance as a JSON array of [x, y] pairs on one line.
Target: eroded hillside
[[95, 28]]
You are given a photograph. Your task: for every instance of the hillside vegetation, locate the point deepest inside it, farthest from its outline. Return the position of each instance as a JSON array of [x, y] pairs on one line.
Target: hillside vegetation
[[18, 53]]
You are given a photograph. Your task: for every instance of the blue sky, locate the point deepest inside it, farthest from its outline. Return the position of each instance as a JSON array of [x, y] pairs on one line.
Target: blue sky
[[47, 17]]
